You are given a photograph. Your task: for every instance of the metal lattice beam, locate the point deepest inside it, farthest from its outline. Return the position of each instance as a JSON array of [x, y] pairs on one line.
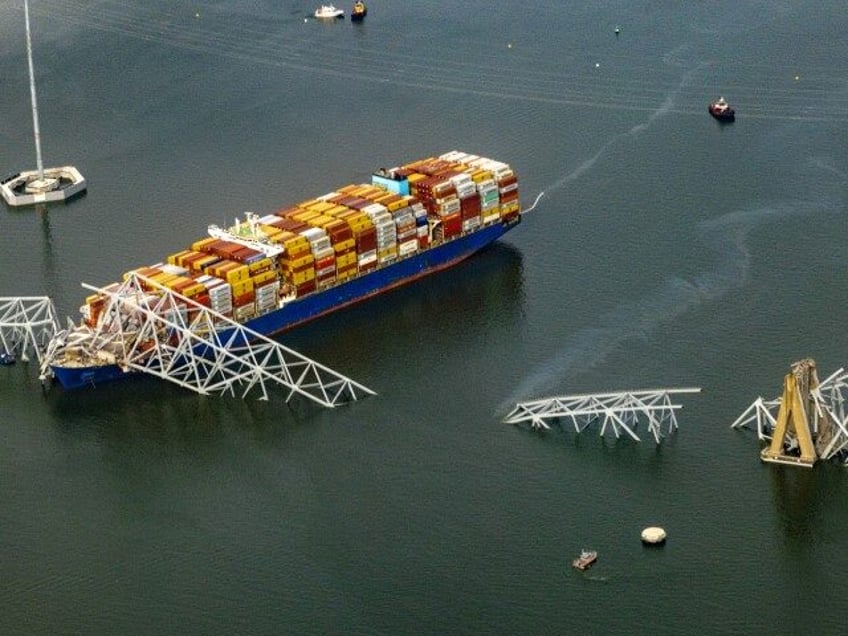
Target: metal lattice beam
[[828, 419], [27, 325], [151, 329], [618, 412]]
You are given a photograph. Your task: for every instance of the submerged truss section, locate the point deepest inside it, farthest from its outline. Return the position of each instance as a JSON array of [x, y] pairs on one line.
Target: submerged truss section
[[27, 325], [807, 423], [149, 328], [618, 412]]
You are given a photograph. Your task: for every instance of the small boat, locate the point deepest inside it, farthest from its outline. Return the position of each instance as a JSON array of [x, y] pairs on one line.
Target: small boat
[[359, 12], [328, 12], [585, 560], [721, 110], [7, 358]]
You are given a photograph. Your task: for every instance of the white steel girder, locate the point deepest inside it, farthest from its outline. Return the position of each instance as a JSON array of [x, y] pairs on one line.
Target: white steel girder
[[152, 329], [27, 325], [618, 411], [829, 399]]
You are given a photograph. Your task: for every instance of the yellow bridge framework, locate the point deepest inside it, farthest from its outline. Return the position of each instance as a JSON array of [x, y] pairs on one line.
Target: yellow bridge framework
[[807, 423]]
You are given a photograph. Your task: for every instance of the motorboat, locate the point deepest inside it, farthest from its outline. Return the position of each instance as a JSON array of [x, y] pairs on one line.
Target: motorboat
[[7, 358], [328, 12], [585, 560], [359, 12], [721, 110]]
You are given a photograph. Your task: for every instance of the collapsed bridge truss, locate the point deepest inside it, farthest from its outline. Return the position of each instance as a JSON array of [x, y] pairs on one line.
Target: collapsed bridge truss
[[149, 328], [618, 412], [27, 325], [807, 423]]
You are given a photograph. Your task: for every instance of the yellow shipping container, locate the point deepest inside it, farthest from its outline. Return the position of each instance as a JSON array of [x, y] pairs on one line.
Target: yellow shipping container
[[388, 252], [303, 276], [261, 264], [242, 287], [344, 246], [162, 278], [200, 264], [299, 262], [176, 280], [193, 290], [342, 260], [336, 210], [263, 277], [304, 216], [198, 246], [231, 271], [320, 206], [348, 189], [174, 259]]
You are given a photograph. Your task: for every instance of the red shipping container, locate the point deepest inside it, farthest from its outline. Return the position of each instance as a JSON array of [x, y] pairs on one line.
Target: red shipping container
[[452, 224], [244, 299], [306, 288]]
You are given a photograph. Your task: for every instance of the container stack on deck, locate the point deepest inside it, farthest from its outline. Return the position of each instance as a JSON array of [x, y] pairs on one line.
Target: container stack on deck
[[338, 236]]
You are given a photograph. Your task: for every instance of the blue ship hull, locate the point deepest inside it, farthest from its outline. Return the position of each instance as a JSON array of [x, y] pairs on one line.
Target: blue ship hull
[[312, 306]]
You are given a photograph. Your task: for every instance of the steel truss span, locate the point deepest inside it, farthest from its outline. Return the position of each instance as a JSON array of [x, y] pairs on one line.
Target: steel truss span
[[151, 329], [27, 325], [618, 412], [812, 415]]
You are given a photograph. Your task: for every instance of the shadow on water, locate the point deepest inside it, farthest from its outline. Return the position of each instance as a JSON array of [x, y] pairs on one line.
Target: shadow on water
[[483, 293], [153, 409], [805, 500]]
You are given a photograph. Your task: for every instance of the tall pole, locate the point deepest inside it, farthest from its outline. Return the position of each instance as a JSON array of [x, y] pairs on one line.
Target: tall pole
[[35, 128]]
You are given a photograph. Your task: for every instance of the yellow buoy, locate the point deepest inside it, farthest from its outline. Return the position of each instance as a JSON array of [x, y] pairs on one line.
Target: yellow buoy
[[653, 536]]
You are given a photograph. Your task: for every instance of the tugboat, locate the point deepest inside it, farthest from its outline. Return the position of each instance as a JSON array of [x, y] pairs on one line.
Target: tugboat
[[359, 12], [585, 560], [721, 110]]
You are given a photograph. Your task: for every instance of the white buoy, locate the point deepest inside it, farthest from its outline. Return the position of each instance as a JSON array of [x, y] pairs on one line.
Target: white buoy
[[653, 536]]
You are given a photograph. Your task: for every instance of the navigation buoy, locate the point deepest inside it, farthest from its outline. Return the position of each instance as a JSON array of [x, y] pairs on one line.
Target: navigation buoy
[[653, 536]]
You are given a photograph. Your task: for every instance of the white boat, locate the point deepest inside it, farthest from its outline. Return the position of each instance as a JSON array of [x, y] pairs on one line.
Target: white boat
[[328, 11]]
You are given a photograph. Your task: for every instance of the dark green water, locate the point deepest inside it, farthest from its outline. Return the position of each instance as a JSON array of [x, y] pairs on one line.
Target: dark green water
[[668, 251]]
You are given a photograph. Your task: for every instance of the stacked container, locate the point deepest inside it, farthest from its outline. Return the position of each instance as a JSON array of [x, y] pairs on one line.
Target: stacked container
[[337, 236]]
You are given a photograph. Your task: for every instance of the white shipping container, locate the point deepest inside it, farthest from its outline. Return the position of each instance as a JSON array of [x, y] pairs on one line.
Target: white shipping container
[[408, 247], [176, 270], [366, 258]]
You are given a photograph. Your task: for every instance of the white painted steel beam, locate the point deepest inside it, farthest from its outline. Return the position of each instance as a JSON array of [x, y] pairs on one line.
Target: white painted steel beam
[[618, 412], [151, 329], [829, 400], [27, 325]]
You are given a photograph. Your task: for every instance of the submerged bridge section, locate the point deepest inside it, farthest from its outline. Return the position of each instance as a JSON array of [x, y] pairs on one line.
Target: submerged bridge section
[[27, 325], [619, 412], [807, 423], [151, 329]]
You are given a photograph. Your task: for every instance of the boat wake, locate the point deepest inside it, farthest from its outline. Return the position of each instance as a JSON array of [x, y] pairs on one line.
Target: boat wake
[[573, 81], [726, 236], [664, 108]]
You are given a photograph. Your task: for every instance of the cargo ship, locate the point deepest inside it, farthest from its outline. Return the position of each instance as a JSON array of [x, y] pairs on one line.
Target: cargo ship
[[273, 272]]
